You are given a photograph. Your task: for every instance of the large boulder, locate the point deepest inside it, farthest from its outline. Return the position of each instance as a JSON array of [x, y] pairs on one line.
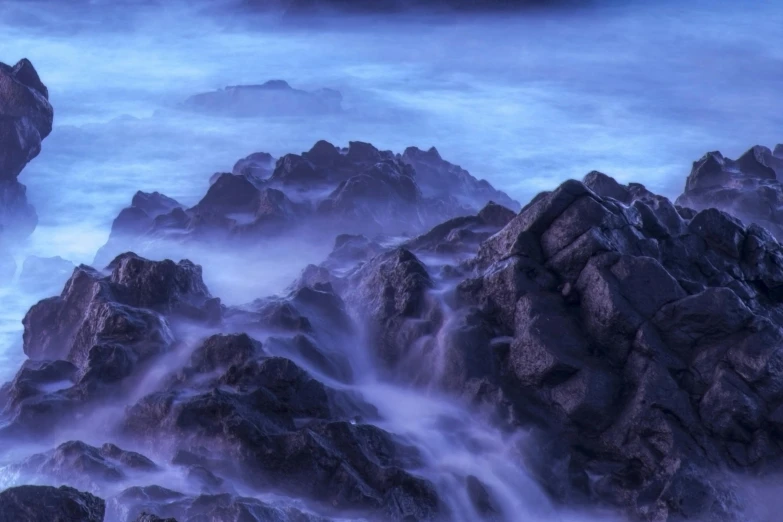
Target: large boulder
[[26, 118], [269, 423], [48, 504], [91, 343], [748, 187]]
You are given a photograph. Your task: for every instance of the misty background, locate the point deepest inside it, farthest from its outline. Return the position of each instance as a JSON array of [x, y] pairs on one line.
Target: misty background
[[635, 89]]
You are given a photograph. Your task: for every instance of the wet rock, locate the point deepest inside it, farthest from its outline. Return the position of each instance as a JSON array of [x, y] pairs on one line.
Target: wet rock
[[391, 292], [748, 188], [155, 504], [321, 193], [25, 121], [438, 178], [86, 466], [48, 504], [275, 428], [255, 167]]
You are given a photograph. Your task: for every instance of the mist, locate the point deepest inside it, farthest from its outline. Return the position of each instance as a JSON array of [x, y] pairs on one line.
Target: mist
[[526, 100]]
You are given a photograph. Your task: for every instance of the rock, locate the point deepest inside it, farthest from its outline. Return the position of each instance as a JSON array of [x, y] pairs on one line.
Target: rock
[[439, 178], [170, 506], [88, 467], [25, 121], [108, 329], [259, 420], [256, 167], [146, 517], [642, 340], [273, 98], [391, 294], [48, 504], [748, 188], [27, 117], [318, 194]]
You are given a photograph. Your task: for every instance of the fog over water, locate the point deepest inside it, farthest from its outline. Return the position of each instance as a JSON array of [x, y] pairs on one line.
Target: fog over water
[[635, 89]]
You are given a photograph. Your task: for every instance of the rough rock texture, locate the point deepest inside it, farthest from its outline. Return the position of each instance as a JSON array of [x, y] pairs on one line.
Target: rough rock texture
[[48, 504], [748, 187], [438, 177], [25, 120], [268, 422], [224, 410], [642, 340], [89, 343], [273, 98], [85, 466], [318, 194]]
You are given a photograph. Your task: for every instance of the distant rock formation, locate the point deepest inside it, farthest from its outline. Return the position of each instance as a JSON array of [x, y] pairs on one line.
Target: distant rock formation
[[356, 190], [273, 98], [25, 120], [749, 187]]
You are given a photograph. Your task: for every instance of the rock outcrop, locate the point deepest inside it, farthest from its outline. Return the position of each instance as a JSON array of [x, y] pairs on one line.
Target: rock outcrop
[[268, 423], [748, 188], [25, 120], [273, 98], [318, 194], [48, 504]]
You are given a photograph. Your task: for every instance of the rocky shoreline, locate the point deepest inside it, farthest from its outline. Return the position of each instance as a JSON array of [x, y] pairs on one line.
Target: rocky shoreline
[[636, 341]]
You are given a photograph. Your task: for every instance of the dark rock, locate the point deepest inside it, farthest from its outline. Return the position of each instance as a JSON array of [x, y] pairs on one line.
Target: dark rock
[[25, 121], [391, 292], [146, 517], [86, 466], [748, 188], [318, 194], [48, 504], [170, 506], [108, 329], [439, 178], [255, 429], [26, 117], [256, 167]]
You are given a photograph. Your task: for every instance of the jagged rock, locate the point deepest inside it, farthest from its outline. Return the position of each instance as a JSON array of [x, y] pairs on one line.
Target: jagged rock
[[85, 466], [273, 98], [318, 194], [101, 330], [26, 117], [256, 167], [48, 504], [641, 337], [391, 294], [748, 188], [439, 178], [25, 121], [255, 430], [463, 234]]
